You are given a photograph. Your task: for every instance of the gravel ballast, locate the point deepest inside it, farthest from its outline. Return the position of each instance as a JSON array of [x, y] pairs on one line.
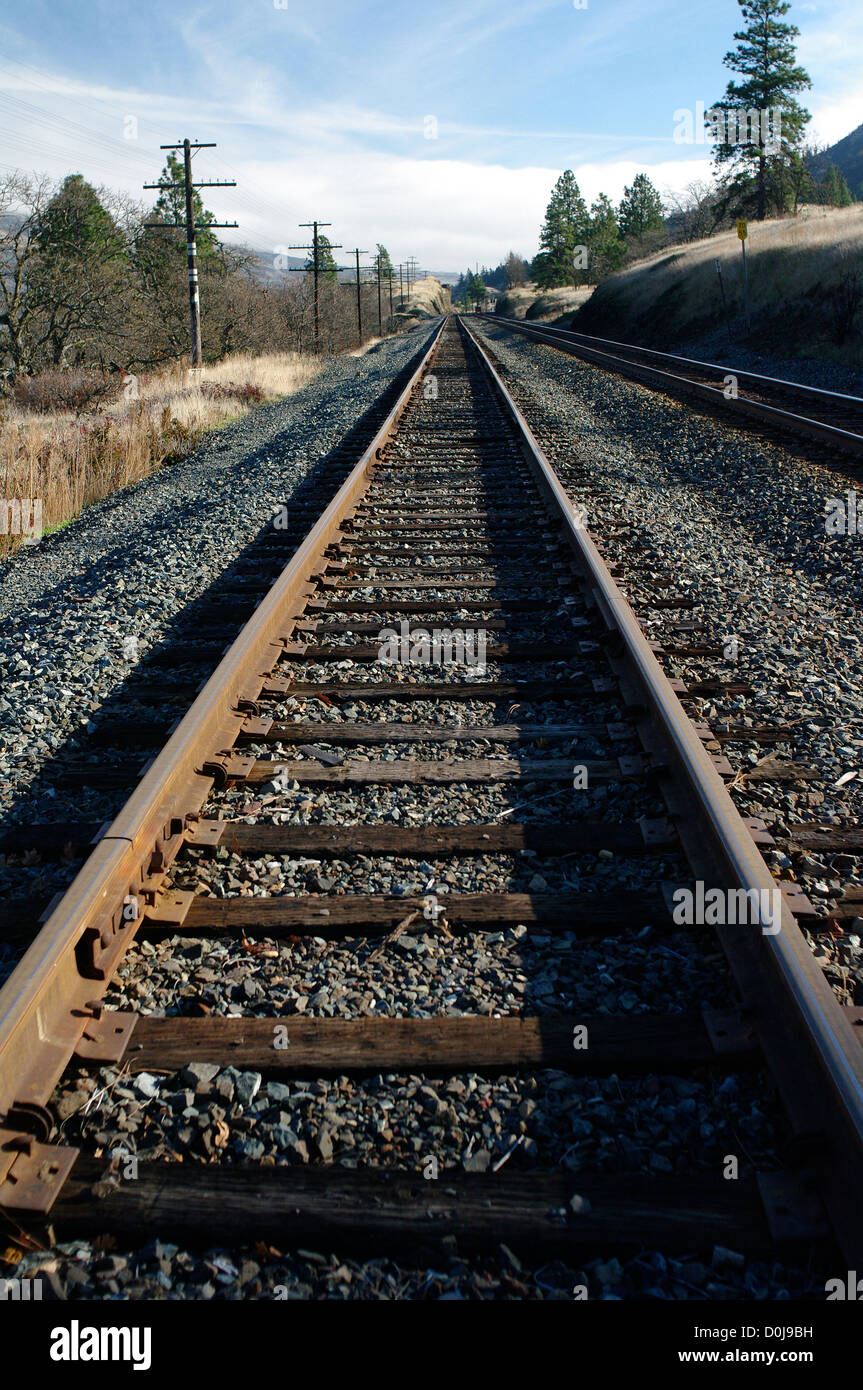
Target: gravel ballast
[[655, 1124], [80, 609], [739, 522]]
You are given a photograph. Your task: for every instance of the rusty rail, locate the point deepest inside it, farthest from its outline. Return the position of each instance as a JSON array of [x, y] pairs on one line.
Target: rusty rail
[[742, 409], [806, 1007]]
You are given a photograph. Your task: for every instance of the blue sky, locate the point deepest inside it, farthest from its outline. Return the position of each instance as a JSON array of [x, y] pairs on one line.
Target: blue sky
[[438, 129]]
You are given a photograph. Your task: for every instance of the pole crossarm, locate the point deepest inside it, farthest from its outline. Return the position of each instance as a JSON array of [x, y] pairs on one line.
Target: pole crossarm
[[209, 183], [199, 226]]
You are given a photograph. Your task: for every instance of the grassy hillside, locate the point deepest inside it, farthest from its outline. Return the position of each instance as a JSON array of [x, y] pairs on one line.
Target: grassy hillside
[[805, 290], [529, 302], [426, 300]]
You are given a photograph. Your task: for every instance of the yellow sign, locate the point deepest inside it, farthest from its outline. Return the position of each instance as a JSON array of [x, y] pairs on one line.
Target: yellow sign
[[741, 228]]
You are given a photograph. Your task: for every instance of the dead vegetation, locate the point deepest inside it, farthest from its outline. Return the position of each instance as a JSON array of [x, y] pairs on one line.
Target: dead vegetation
[[805, 289], [56, 448]]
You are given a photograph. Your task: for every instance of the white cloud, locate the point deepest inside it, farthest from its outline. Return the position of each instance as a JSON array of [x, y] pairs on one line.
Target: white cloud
[[449, 213], [833, 120], [359, 160]]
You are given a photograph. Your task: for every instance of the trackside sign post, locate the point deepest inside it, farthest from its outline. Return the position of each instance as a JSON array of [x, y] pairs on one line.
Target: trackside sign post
[[742, 233]]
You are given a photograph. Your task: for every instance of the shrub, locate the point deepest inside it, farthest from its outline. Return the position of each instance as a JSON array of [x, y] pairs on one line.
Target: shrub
[[72, 389], [246, 394]]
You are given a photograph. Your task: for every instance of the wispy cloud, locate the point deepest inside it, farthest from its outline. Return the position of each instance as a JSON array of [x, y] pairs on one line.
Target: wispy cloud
[[321, 108]]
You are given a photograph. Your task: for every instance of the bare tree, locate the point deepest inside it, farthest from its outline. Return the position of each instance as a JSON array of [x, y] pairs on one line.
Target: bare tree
[[516, 268], [694, 211], [22, 199]]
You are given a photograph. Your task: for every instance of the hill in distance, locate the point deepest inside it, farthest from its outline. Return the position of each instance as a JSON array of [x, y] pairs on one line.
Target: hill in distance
[[847, 155]]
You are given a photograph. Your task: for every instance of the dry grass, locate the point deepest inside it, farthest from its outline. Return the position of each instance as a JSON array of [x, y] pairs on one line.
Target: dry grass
[[529, 302], [70, 461], [367, 346], [796, 267], [427, 299]]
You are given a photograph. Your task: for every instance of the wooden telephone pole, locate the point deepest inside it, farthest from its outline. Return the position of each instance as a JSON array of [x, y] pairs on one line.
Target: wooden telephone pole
[[357, 253], [191, 228], [380, 312], [390, 276], [316, 269]]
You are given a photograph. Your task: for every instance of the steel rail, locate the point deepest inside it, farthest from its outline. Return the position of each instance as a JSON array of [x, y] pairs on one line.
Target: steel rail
[[50, 1006], [832, 1035], [53, 1010], [815, 392], [760, 412]]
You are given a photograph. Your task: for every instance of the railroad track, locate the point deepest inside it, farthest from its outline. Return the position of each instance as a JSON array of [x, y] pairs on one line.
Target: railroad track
[[749, 399], [447, 625]]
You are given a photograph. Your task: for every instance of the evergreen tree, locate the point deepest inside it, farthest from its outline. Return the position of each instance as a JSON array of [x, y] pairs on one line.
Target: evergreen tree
[[792, 182], [327, 266], [640, 208], [833, 189], [606, 248], [765, 58], [387, 272], [565, 227], [496, 277], [74, 224], [78, 279], [475, 290], [171, 207], [161, 257]]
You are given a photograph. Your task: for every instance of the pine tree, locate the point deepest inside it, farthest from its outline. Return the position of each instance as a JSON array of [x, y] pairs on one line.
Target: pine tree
[[565, 227], [383, 256], [78, 278], [326, 261], [606, 248], [459, 290], [475, 290], [833, 189], [75, 224], [387, 270], [640, 208], [171, 207], [765, 57], [792, 182], [161, 258]]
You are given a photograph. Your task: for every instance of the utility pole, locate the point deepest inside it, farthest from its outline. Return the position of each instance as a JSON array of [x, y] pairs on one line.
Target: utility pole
[[316, 270], [412, 271], [357, 252], [191, 227], [380, 312]]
